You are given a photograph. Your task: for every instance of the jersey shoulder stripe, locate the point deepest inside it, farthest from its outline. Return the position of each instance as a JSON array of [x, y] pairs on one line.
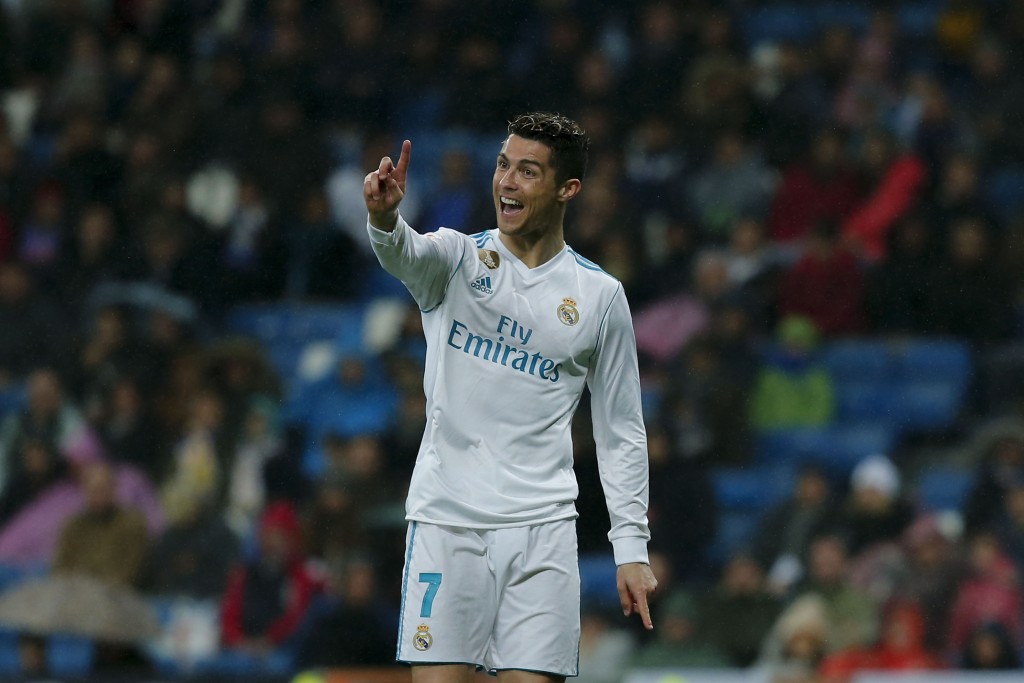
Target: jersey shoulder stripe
[[482, 238], [588, 264]]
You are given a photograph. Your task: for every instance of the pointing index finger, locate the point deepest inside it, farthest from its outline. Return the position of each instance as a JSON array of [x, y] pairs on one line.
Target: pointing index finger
[[403, 161], [644, 609]]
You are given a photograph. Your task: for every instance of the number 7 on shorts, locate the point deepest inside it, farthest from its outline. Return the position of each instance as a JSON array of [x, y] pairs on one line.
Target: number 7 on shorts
[[433, 581]]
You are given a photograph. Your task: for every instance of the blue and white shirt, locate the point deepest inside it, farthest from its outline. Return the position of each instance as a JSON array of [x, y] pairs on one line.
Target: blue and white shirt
[[509, 349]]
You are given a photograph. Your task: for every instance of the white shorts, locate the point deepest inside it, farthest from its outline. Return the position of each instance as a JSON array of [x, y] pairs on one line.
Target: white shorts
[[493, 598]]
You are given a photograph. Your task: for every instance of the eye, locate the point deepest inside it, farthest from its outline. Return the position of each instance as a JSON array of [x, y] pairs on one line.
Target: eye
[[502, 163], [529, 172]]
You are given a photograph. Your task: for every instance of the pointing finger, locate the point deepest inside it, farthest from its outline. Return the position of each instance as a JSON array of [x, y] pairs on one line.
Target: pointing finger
[[403, 161], [644, 609]]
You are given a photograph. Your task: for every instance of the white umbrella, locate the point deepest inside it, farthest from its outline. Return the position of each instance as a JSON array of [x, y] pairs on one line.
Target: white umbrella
[[79, 605]]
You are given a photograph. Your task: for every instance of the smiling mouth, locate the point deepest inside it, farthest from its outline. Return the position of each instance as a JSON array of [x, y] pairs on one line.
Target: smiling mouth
[[510, 207]]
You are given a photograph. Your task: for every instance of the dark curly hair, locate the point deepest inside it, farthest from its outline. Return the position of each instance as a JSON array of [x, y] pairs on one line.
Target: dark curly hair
[[566, 138]]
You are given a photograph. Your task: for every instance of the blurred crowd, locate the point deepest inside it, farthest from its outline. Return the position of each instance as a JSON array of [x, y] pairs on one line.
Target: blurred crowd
[[759, 194]]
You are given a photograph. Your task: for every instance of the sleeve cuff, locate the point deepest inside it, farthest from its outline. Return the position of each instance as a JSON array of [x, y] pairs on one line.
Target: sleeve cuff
[[386, 238], [630, 549]]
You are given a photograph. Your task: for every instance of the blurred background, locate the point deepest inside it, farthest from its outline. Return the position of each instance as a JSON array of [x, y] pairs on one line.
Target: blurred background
[[211, 397]]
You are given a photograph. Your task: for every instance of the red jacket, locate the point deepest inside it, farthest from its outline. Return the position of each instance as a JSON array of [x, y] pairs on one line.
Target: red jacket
[[805, 199], [829, 291], [297, 596], [869, 225], [901, 648]]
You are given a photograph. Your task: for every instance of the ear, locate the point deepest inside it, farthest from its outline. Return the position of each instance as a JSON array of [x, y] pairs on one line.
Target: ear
[[569, 189]]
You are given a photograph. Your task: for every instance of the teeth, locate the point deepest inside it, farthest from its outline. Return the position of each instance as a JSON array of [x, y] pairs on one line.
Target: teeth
[[510, 202]]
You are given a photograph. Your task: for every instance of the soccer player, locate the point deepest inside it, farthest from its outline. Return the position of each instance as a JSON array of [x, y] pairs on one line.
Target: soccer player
[[516, 324]]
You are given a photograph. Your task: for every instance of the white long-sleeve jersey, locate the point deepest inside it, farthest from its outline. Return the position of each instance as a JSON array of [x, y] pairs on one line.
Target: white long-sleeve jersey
[[509, 349]]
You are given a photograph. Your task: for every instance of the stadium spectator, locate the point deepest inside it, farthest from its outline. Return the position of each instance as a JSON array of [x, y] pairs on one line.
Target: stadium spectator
[[48, 415], [105, 540], [37, 465], [957, 194], [900, 648], [826, 284], [605, 651], [354, 399], [852, 614], [456, 203], [259, 442], [896, 293], [128, 430], [704, 405], [973, 299], [792, 388], [94, 257], [737, 616], [678, 641], [736, 184], [1009, 527], [894, 181], [268, 596], [323, 261], [989, 593], [682, 502], [785, 532], [934, 569], [798, 640], [999, 467], [989, 648], [197, 470], [193, 556], [28, 324], [875, 512], [990, 96], [347, 626], [821, 188]]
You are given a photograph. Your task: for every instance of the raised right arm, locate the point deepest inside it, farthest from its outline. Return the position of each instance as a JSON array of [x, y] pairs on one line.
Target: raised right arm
[[424, 263]]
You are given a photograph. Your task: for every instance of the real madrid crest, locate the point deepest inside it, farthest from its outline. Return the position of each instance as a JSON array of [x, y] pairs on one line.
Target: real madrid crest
[[568, 313], [490, 258], [422, 640]]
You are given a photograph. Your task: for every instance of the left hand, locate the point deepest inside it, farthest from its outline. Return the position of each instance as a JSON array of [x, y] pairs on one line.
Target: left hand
[[636, 582]]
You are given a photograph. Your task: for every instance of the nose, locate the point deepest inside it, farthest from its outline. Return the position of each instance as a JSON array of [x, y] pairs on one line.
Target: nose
[[507, 178]]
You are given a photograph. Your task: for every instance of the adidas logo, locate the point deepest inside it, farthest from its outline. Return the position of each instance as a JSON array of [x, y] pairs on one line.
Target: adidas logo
[[483, 284]]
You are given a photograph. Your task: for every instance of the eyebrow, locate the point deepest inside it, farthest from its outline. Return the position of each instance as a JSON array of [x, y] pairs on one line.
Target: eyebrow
[[531, 162]]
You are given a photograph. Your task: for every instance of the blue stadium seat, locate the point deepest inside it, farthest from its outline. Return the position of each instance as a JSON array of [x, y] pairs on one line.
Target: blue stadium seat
[[859, 361], [379, 284], [10, 657], [934, 360], [944, 488], [925, 405], [597, 578], [284, 356], [863, 401], [1004, 190], [70, 655], [752, 488], [266, 323], [324, 322], [837, 448], [12, 399], [236, 664], [778, 23], [782, 446], [850, 14], [917, 18], [735, 531]]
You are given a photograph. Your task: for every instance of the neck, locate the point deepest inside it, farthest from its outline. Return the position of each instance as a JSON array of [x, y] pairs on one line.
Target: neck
[[537, 248]]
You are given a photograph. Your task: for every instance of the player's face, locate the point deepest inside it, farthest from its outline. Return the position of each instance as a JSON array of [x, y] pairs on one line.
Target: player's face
[[526, 195]]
